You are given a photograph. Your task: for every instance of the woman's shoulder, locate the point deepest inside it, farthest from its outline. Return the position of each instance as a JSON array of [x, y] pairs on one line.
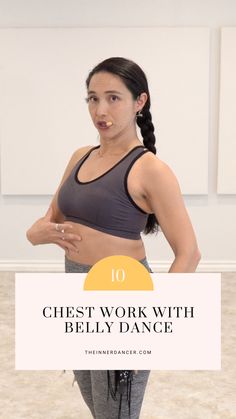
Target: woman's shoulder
[[156, 171], [151, 163], [80, 152]]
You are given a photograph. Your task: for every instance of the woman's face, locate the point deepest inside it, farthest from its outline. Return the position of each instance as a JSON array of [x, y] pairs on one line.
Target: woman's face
[[109, 100]]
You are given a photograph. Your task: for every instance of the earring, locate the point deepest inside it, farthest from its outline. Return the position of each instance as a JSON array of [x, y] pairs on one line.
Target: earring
[[139, 114]]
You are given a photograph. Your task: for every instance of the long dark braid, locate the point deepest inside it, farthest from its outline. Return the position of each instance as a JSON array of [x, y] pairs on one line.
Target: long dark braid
[[147, 129], [135, 80], [144, 121]]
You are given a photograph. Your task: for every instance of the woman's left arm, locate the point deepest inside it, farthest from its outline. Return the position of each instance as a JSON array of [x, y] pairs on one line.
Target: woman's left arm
[[163, 195]]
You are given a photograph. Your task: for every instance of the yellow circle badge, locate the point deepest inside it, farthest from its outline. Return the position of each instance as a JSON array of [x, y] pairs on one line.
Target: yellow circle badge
[[119, 273]]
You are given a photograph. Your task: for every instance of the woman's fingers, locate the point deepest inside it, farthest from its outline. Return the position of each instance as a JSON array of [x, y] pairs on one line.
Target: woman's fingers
[[62, 226], [66, 228], [66, 245], [64, 238], [68, 236]]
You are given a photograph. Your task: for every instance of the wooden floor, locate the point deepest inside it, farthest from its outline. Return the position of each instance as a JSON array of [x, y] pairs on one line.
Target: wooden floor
[[169, 394]]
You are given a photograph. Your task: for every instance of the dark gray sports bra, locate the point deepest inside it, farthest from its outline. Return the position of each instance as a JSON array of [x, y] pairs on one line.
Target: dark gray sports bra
[[104, 203]]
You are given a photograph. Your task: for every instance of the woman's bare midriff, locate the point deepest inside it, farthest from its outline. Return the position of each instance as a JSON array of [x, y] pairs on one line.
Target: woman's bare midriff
[[96, 245]]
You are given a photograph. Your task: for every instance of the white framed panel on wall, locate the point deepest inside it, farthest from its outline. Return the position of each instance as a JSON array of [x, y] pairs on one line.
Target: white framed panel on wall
[[226, 181], [44, 118]]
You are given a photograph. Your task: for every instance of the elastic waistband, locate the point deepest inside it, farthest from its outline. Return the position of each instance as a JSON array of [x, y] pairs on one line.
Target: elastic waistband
[[144, 260], [72, 262], [82, 267]]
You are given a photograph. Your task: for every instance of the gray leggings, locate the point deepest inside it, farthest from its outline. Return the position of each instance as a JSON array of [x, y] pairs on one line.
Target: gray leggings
[[93, 383]]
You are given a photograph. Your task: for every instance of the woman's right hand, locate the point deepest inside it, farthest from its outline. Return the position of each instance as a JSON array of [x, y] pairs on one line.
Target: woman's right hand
[[44, 231]]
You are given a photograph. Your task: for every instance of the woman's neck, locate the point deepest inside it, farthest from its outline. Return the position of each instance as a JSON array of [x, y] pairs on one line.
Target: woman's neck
[[117, 149], [117, 146]]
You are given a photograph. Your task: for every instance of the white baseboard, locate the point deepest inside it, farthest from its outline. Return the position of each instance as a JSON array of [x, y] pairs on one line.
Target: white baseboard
[[204, 266], [14, 265]]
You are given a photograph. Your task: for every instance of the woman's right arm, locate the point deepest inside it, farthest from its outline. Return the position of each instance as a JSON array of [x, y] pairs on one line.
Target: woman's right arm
[[51, 228]]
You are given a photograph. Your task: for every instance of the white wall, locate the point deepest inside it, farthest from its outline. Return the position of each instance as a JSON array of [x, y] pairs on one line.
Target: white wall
[[42, 84], [226, 180], [213, 216]]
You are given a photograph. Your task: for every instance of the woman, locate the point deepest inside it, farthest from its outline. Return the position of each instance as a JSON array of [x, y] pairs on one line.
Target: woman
[[108, 195]]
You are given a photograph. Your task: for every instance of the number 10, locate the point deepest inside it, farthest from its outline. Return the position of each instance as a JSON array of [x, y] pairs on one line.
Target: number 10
[[118, 275]]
